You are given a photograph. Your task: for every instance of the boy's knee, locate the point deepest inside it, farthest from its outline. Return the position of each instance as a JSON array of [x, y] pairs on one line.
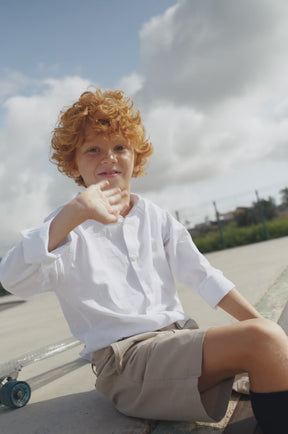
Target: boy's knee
[[265, 337]]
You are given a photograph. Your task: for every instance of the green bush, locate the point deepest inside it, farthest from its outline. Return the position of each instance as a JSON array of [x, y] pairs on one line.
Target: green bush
[[278, 227], [240, 236], [209, 243]]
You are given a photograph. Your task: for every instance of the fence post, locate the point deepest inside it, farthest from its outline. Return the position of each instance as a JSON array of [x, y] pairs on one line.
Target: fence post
[[219, 226], [266, 233]]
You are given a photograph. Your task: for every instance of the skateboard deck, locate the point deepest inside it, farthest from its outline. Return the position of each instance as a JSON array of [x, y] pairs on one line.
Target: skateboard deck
[[15, 393]]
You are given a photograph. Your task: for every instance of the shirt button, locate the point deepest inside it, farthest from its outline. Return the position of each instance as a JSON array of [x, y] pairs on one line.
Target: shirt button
[[133, 258]]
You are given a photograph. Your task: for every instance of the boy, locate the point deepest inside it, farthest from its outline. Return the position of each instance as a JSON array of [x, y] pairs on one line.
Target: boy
[[112, 259]]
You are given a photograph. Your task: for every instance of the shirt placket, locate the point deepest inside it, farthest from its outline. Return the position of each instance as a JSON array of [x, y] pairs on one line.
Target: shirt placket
[[131, 234]]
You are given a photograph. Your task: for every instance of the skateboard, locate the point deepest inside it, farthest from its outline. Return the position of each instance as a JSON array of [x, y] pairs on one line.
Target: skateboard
[[15, 393]]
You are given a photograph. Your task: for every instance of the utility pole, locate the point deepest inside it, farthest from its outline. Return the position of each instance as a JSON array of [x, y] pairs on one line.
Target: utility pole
[[219, 226], [266, 233]]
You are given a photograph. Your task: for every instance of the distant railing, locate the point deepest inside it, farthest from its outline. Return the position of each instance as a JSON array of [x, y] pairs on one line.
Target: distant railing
[[255, 221]]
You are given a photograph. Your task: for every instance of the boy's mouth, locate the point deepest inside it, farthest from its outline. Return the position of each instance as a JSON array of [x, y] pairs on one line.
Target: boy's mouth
[[109, 173]]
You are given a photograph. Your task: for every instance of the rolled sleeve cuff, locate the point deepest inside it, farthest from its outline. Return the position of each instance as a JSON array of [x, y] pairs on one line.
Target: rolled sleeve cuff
[[35, 245], [214, 288]]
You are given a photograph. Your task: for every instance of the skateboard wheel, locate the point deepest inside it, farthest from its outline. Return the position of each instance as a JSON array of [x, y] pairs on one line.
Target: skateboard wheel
[[15, 394]]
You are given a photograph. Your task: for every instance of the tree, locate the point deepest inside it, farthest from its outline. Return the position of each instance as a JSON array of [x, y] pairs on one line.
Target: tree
[[268, 207], [246, 216], [252, 215]]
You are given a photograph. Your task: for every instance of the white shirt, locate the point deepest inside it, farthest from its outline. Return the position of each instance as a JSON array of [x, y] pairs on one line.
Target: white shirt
[[115, 280]]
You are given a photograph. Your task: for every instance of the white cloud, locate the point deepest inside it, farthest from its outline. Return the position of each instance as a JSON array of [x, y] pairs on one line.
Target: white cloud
[[131, 84], [157, 35], [215, 89], [203, 52], [191, 146]]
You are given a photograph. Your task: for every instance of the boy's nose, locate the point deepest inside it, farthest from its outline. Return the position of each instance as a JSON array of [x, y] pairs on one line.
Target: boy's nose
[[109, 156]]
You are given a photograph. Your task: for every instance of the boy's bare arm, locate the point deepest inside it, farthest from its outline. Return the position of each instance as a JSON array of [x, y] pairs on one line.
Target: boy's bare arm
[[97, 202], [237, 306]]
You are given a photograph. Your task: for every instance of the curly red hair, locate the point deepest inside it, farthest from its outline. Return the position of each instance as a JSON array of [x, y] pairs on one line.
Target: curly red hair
[[108, 112]]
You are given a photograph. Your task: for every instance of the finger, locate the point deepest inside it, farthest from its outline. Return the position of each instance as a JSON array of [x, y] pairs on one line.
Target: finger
[[124, 208], [124, 193], [114, 213], [111, 218], [116, 195], [103, 185], [115, 199], [112, 192], [121, 199]]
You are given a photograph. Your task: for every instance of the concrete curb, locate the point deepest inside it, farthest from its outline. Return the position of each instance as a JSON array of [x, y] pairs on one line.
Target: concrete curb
[[273, 302]]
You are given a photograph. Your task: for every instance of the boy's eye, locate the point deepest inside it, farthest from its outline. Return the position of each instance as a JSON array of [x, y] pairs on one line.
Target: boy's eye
[[93, 150], [119, 147]]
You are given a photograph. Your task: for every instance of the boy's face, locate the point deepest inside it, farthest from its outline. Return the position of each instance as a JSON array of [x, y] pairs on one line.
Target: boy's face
[[105, 157]]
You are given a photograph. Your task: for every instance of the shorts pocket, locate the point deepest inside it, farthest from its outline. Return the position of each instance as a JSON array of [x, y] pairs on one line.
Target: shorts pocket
[[101, 362]]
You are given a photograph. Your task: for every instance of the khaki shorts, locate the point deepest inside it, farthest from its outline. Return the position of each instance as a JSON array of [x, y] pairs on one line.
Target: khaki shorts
[[154, 375]]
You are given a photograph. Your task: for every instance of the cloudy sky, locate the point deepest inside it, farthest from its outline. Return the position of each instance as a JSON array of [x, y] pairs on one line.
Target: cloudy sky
[[209, 76]]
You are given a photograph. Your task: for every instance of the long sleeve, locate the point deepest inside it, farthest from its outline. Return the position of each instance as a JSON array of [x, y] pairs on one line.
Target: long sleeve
[[190, 267], [29, 268]]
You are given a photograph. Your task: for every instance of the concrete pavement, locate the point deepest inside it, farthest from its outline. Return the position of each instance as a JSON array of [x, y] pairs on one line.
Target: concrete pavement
[[63, 395]]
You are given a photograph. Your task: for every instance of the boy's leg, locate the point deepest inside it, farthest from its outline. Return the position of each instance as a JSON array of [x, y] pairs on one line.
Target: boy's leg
[[259, 347]]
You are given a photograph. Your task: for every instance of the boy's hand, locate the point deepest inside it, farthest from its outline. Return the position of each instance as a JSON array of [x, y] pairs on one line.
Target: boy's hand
[[97, 202], [101, 203]]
